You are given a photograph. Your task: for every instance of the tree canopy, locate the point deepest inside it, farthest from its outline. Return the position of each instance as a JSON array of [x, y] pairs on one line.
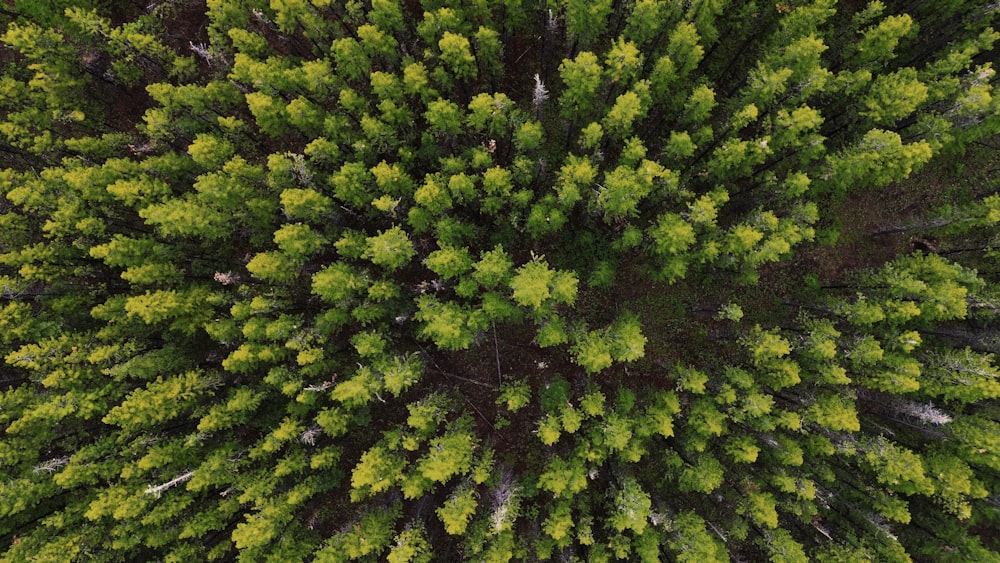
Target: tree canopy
[[301, 280]]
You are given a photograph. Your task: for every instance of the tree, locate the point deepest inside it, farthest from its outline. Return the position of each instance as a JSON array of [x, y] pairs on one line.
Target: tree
[[692, 542], [390, 249], [684, 48], [879, 42], [894, 96], [620, 119], [411, 545], [633, 508], [535, 284], [672, 236], [586, 21], [450, 326], [878, 159], [457, 54], [444, 116], [582, 77], [593, 351]]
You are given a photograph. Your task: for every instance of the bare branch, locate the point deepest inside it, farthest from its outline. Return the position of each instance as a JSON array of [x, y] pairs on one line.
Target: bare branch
[[158, 489]]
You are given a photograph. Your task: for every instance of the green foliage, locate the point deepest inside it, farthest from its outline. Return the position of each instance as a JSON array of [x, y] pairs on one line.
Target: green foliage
[[898, 468], [585, 21], [177, 392], [563, 477], [704, 477], [535, 284], [449, 262], [444, 116], [514, 396], [456, 53], [450, 454], [693, 542], [457, 510], [370, 535], [411, 546], [582, 76], [297, 284], [879, 42], [592, 351], [272, 266], [632, 508], [390, 249], [879, 158], [894, 96], [376, 472], [449, 325]]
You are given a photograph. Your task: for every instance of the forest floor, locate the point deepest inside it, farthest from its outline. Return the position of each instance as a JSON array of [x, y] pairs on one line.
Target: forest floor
[[866, 219]]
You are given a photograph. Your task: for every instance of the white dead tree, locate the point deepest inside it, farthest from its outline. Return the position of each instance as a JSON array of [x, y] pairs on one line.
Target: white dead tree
[[157, 490], [52, 465], [540, 95]]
